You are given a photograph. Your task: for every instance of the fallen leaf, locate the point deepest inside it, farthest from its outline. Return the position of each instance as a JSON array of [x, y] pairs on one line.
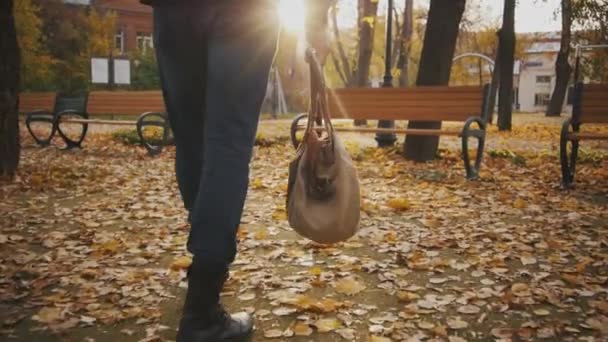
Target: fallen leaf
[[521, 290], [520, 204], [181, 263], [457, 323], [327, 324], [438, 280], [504, 333], [469, 309], [284, 311], [399, 203], [273, 333], [542, 312], [348, 286], [347, 334], [247, 296], [406, 296], [302, 329], [48, 315], [527, 260]]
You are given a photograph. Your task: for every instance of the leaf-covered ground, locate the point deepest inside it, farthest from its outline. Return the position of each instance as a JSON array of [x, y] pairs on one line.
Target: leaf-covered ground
[[92, 246]]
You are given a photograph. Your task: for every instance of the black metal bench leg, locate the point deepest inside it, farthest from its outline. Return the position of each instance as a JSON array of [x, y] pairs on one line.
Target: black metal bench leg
[[472, 168], [568, 158], [41, 116], [69, 142], [294, 130], [153, 119]]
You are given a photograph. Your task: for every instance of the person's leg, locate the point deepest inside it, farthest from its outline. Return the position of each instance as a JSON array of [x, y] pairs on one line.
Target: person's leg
[[242, 38], [181, 55], [242, 45]]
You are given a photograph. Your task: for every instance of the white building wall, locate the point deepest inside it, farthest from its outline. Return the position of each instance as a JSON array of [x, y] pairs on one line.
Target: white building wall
[[535, 70]]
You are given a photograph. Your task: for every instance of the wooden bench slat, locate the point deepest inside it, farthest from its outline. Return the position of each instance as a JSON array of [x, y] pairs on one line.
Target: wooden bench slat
[[400, 114], [588, 136], [418, 103], [417, 89], [432, 132], [405, 97], [103, 122], [474, 103], [591, 117]]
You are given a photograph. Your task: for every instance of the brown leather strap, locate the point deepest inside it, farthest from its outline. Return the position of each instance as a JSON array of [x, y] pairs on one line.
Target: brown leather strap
[[319, 109]]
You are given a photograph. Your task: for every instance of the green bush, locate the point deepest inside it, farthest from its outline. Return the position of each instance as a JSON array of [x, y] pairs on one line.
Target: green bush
[[154, 135], [126, 136], [515, 157], [268, 141]]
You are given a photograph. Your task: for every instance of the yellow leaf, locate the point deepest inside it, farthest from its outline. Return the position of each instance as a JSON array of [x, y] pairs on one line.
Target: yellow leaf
[[110, 246], [181, 263], [406, 296], [520, 204], [279, 215], [36, 180], [399, 204], [348, 286], [302, 329], [261, 234], [390, 236], [315, 271], [327, 324], [521, 290], [257, 184], [48, 315], [327, 305]]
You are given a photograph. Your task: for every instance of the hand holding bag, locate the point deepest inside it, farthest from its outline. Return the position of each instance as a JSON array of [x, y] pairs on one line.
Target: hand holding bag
[[323, 195]]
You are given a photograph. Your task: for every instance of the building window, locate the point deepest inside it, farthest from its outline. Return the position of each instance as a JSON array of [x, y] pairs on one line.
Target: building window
[[543, 79], [542, 99], [119, 41], [144, 41]]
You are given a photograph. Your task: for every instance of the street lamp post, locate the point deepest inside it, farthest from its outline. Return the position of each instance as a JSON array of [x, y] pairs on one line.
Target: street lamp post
[[387, 139]]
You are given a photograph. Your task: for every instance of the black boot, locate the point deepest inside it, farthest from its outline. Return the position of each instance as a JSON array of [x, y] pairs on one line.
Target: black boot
[[204, 319]]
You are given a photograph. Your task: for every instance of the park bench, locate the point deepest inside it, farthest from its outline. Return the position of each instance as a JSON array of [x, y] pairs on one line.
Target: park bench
[[71, 117], [62, 104], [590, 106], [464, 104]]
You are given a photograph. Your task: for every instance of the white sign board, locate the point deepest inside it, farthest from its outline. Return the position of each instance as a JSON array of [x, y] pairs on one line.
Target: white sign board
[[122, 71], [100, 70]]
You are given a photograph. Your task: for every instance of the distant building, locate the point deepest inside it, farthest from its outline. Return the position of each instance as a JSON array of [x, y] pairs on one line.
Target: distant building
[[134, 22], [535, 74]]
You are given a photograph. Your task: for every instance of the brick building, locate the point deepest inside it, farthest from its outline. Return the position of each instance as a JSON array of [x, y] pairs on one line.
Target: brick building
[[134, 22]]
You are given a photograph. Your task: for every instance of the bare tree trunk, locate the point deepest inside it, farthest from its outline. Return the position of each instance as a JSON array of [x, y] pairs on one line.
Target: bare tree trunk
[[368, 10], [407, 30], [435, 67], [507, 60], [9, 91], [338, 67], [397, 46], [562, 66], [494, 85]]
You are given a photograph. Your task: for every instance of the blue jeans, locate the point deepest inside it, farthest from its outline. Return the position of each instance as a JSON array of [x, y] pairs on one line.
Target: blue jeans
[[214, 61]]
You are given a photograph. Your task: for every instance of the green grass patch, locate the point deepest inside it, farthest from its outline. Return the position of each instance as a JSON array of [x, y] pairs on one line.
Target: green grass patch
[[515, 157]]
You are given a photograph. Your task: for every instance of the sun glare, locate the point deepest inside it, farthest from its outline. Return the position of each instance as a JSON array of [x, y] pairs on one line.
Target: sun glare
[[292, 15]]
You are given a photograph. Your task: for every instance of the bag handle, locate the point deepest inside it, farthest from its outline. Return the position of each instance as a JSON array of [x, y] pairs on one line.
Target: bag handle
[[319, 109]]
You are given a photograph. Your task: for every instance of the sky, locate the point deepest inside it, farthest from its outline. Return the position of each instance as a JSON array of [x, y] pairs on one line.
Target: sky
[[531, 16]]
